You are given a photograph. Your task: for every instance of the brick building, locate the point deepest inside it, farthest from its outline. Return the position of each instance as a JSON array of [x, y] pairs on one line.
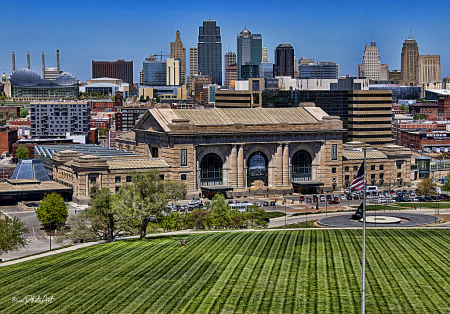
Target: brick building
[[14, 111], [444, 106], [119, 69], [102, 105], [430, 110], [425, 140], [7, 138]]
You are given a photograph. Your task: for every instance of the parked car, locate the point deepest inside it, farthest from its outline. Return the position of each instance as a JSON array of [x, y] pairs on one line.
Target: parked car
[[308, 200], [194, 201], [258, 204], [266, 204], [368, 196], [356, 196], [322, 198], [302, 198], [328, 197], [272, 203], [334, 202], [315, 199], [343, 197], [411, 193], [349, 197]]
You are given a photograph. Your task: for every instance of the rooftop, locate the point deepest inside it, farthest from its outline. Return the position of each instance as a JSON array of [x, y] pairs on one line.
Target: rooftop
[[87, 149], [147, 163], [359, 155]]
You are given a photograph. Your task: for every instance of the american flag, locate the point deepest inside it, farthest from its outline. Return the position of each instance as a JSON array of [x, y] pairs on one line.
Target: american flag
[[359, 180]]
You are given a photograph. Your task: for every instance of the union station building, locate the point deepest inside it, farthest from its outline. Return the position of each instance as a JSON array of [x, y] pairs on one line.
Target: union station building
[[245, 151]]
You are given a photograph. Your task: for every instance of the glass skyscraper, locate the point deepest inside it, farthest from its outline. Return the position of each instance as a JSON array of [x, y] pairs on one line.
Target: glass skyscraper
[[249, 53], [284, 60], [154, 72], [210, 51]]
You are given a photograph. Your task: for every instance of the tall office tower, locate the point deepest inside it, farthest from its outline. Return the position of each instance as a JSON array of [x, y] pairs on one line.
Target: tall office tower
[[210, 51], [173, 72], [154, 72], [410, 62], [230, 76], [384, 72], [371, 64], [266, 69], [429, 69], [249, 53], [178, 52], [284, 60], [230, 59], [264, 56], [322, 70], [119, 69], [193, 61]]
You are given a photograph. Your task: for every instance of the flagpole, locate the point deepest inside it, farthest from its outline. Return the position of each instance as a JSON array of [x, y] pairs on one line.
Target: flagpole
[[363, 290]]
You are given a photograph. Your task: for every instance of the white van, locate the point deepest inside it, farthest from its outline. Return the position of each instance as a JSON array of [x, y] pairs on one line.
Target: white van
[[371, 188]]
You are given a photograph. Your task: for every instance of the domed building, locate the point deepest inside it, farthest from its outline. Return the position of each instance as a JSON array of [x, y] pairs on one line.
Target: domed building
[[26, 85]]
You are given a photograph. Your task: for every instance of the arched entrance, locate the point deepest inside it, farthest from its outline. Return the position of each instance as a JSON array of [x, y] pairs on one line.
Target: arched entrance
[[302, 171], [257, 168], [211, 170]]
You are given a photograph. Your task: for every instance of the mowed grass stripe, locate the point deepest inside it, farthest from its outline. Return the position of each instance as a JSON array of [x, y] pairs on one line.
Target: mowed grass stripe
[[291, 292], [193, 292], [281, 295], [336, 279], [145, 295], [256, 266], [432, 293], [302, 284], [394, 276], [323, 279], [222, 258], [259, 291], [51, 284], [243, 283]]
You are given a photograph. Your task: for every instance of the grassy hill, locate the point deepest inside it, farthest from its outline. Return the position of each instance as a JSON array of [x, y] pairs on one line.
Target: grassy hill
[[241, 272]]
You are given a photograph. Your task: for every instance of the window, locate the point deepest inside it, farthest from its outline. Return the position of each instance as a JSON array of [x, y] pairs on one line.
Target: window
[[117, 179], [381, 167], [333, 170], [372, 167], [347, 178], [399, 175], [161, 177], [381, 176], [372, 177], [355, 168], [183, 177], [399, 166], [346, 169], [128, 178], [93, 180], [154, 152], [117, 188]]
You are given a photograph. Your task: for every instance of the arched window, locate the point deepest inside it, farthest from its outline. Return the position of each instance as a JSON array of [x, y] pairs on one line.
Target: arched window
[[301, 166], [211, 170], [257, 168]]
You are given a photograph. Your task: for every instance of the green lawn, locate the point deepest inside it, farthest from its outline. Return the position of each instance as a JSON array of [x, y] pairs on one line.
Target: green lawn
[[312, 271]]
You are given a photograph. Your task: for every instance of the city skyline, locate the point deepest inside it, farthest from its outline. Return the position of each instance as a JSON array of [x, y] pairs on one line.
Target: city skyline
[[329, 32]]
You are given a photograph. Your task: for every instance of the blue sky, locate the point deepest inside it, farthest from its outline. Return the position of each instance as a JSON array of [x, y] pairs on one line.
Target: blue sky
[[131, 30]]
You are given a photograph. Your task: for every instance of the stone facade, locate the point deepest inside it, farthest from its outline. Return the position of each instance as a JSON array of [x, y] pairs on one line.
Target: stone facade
[[185, 138]]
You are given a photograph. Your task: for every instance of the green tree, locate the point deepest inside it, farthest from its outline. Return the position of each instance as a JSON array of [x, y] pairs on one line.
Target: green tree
[[403, 107], [426, 187], [23, 113], [170, 222], [446, 186], [220, 212], [158, 99], [141, 99], [12, 235], [147, 196], [101, 213], [198, 219], [147, 98], [77, 227], [254, 215], [52, 210], [22, 152]]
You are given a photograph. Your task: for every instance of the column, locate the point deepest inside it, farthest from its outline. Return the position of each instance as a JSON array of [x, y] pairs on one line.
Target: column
[[240, 167], [279, 168], [234, 167], [286, 165], [194, 164]]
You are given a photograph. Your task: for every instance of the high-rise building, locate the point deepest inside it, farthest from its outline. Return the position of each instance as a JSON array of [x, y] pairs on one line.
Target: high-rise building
[[384, 72], [173, 72], [249, 53], [264, 56], [266, 69], [177, 51], [119, 69], [321, 70], [284, 60], [230, 59], [410, 62], [371, 65], [230, 76], [154, 72], [210, 51], [429, 69], [193, 61]]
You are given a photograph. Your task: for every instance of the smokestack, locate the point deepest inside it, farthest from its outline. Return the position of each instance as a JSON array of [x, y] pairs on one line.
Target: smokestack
[[57, 61], [13, 62], [28, 60], [43, 65]]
